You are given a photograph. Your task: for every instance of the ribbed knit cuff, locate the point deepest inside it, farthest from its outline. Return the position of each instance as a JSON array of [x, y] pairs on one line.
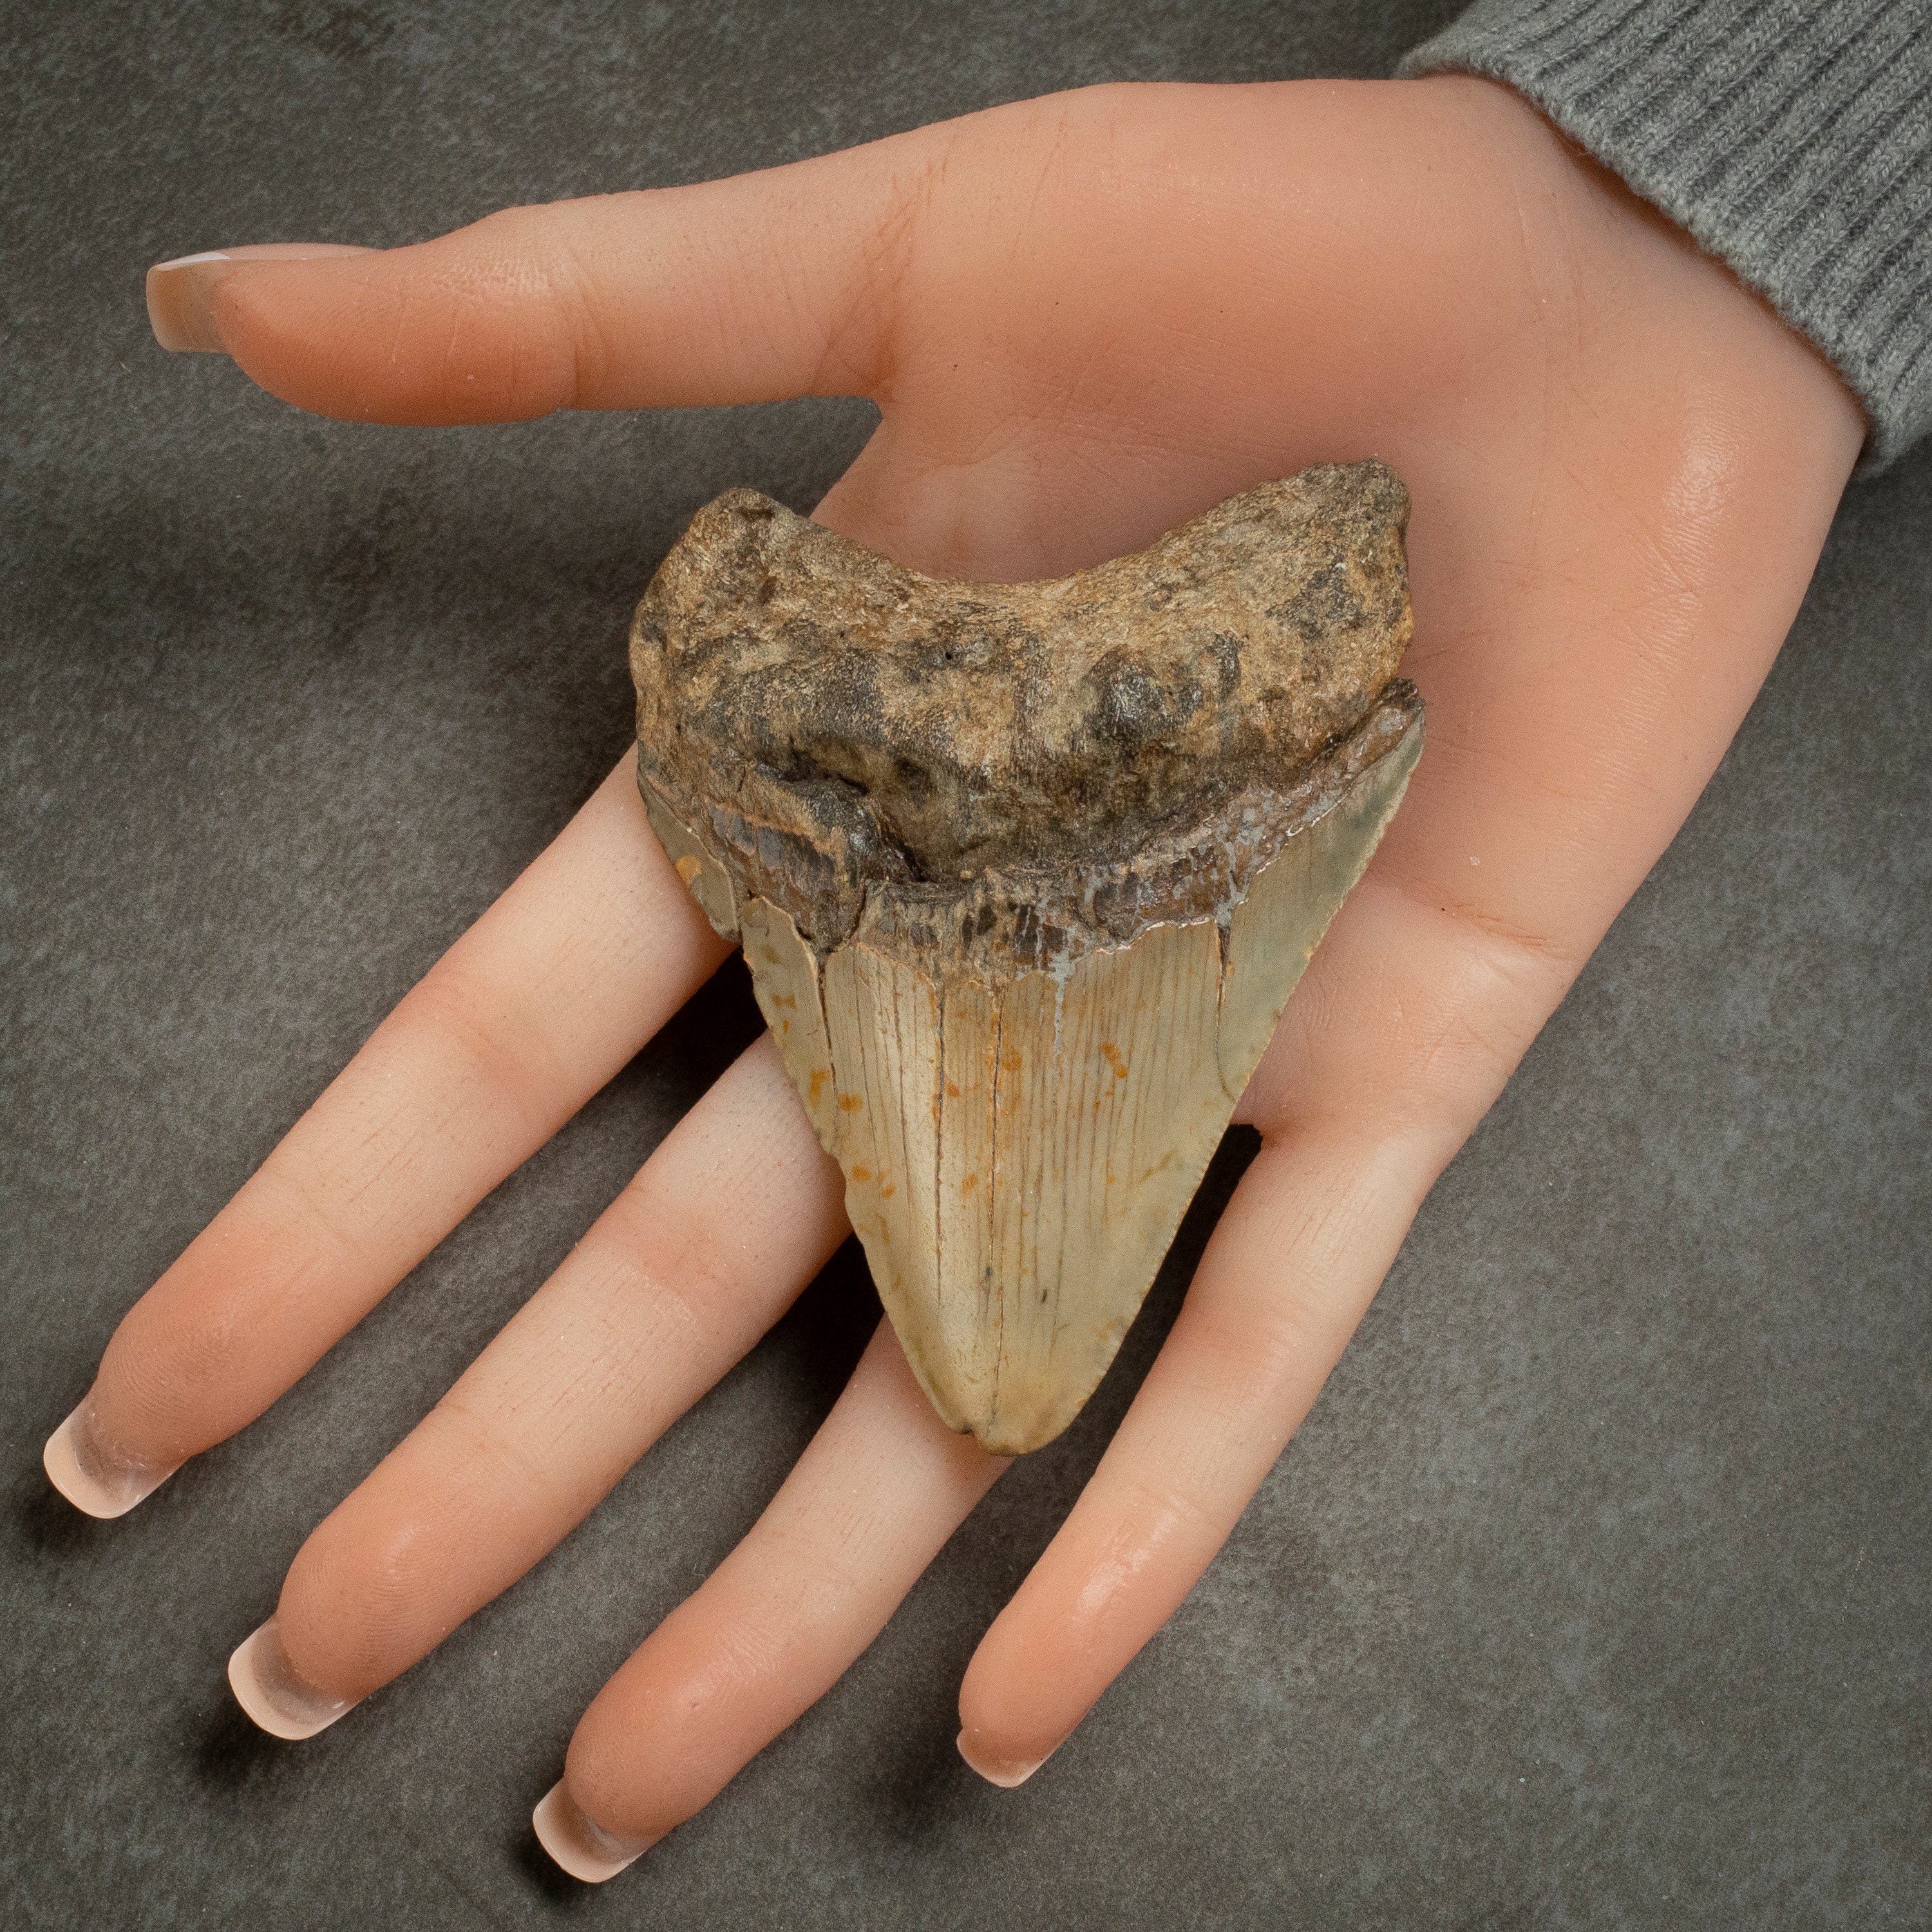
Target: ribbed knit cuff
[[1792, 138]]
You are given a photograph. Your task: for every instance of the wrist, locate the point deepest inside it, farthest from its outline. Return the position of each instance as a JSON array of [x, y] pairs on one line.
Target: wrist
[[1634, 288]]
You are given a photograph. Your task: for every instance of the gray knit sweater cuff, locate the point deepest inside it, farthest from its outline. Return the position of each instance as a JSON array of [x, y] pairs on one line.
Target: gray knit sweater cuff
[[1792, 138]]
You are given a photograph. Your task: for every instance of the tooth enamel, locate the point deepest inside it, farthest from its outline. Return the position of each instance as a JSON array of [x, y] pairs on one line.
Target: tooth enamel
[[1020, 951]]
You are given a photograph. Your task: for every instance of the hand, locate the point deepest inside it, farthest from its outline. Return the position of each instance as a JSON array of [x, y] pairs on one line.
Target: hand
[[1084, 319]]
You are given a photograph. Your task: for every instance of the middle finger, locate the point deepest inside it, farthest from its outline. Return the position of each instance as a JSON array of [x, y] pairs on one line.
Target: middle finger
[[732, 1216]]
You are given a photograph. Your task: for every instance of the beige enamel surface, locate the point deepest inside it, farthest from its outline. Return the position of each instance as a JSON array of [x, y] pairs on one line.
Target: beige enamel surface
[[1017, 1155], [1273, 932], [1018, 1158], [785, 977], [707, 881]]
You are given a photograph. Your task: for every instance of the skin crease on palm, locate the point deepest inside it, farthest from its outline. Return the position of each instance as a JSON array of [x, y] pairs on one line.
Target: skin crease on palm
[[1084, 319]]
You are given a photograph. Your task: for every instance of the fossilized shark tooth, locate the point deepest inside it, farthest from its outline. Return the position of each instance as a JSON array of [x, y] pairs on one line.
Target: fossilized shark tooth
[[1025, 874]]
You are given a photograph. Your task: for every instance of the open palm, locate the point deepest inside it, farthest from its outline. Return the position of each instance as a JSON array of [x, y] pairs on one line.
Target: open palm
[[1084, 319]]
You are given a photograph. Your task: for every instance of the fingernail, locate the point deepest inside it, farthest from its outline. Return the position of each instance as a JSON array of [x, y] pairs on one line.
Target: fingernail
[[579, 1844], [179, 306], [178, 293], [1007, 1773], [265, 1686], [92, 1473]]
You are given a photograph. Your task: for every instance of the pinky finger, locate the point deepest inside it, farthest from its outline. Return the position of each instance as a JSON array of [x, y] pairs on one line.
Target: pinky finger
[[1296, 1258], [869, 1505]]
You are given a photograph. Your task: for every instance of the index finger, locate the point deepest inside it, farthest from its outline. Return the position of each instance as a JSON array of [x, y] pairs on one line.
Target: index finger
[[528, 1014]]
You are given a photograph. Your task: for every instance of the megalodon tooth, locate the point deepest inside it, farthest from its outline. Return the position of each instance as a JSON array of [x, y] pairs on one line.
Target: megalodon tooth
[[1025, 874]]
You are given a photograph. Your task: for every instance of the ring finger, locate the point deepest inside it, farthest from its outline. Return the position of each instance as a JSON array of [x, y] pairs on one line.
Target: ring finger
[[726, 1222]]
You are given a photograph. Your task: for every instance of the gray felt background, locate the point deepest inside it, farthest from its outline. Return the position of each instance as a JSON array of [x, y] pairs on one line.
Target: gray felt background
[[1598, 1591]]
